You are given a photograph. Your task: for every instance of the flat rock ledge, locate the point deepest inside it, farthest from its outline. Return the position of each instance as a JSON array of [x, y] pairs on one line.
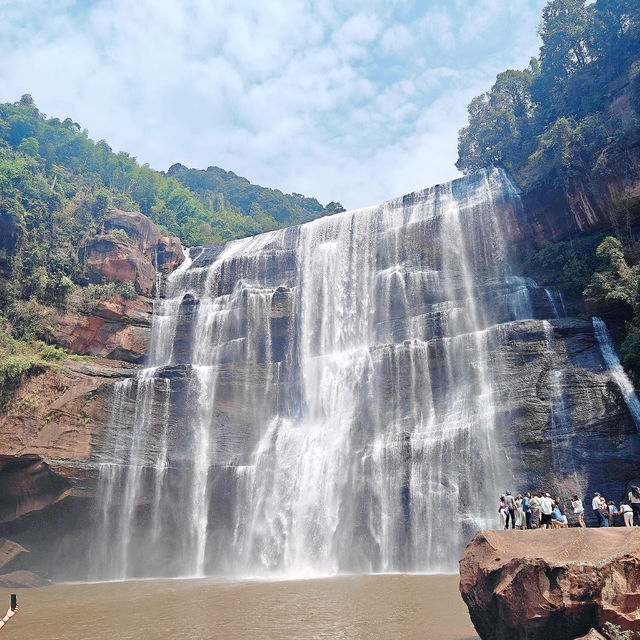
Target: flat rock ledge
[[552, 585]]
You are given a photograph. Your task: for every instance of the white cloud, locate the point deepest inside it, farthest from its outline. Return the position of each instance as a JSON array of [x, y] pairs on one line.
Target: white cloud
[[356, 102]]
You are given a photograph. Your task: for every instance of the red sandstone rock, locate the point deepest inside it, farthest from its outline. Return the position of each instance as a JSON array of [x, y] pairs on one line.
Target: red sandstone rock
[[543, 585], [113, 257], [142, 232], [47, 432], [116, 328], [592, 635], [169, 253]]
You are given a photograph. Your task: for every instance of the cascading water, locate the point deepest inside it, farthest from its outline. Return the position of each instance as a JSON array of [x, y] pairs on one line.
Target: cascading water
[[320, 398], [617, 372]]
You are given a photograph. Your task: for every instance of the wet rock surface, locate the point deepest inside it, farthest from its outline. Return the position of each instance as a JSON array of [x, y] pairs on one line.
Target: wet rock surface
[[543, 585], [46, 434]]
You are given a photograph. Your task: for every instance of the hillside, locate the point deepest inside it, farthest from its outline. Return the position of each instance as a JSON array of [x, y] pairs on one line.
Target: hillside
[[268, 208], [56, 185]]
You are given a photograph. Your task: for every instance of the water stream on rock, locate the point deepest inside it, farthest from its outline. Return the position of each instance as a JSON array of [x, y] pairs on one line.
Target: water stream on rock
[[617, 372], [321, 399]]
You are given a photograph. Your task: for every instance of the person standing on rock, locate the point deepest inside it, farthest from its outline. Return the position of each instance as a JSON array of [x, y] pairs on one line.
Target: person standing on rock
[[520, 519], [627, 514], [526, 508], [634, 501], [511, 505], [546, 507], [535, 511], [578, 509], [597, 511], [502, 512]]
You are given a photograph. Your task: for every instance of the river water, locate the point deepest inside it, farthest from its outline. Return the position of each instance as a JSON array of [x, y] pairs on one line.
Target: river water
[[424, 607]]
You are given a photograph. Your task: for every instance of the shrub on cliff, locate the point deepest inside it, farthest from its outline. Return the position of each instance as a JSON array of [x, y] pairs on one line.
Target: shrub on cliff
[[617, 283], [13, 371], [566, 265]]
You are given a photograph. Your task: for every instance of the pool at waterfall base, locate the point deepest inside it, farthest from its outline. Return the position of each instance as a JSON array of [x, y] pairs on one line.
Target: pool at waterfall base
[[355, 607]]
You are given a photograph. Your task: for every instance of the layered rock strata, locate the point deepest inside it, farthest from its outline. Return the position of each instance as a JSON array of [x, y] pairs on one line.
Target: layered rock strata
[[543, 585]]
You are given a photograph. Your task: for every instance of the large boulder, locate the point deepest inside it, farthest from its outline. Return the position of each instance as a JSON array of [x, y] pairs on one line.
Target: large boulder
[[114, 257], [116, 328], [142, 232], [131, 247], [551, 585], [169, 253]]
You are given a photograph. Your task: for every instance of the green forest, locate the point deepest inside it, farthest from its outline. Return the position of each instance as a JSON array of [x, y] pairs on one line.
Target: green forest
[[56, 183], [573, 114], [574, 110]]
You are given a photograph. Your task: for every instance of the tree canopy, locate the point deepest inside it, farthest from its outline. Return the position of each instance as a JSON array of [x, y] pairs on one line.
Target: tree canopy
[[574, 110], [56, 184]]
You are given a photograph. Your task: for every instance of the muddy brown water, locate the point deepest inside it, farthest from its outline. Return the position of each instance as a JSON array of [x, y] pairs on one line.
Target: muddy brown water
[[420, 607]]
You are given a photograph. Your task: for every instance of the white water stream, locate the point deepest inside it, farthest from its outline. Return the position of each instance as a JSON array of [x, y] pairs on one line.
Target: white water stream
[[320, 399]]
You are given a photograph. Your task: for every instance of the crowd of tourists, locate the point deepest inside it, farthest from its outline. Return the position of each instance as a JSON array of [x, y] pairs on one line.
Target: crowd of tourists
[[538, 510]]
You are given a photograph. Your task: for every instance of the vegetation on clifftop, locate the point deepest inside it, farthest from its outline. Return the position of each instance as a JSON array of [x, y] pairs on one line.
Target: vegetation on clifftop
[[572, 114], [574, 110], [56, 184]]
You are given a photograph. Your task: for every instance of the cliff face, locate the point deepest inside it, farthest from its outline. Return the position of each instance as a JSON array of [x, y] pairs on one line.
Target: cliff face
[[561, 419], [47, 434], [607, 203]]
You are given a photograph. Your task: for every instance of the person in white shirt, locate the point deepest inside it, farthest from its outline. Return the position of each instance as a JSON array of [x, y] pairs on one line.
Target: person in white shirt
[[634, 501], [578, 509], [546, 507], [535, 511], [627, 514], [597, 512]]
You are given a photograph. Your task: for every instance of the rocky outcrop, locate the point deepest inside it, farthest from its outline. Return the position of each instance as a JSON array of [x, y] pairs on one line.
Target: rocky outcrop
[[46, 435], [117, 328], [588, 204], [539, 585], [9, 550], [23, 580], [130, 249], [592, 635], [113, 257], [169, 253], [142, 233]]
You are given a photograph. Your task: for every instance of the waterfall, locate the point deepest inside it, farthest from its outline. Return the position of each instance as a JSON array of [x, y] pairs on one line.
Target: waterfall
[[320, 399], [612, 361]]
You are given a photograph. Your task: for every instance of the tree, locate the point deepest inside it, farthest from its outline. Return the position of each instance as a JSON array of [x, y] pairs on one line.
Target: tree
[[334, 207], [499, 128], [618, 282], [30, 146]]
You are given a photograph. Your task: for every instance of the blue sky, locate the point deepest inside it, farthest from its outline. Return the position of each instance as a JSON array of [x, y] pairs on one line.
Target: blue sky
[[357, 101]]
